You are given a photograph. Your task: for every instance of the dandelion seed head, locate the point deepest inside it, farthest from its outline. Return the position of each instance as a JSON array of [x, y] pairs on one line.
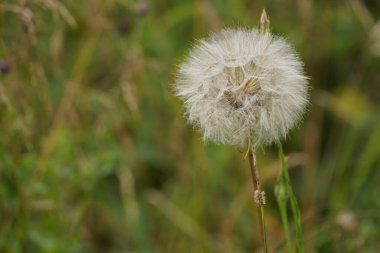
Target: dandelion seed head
[[243, 88]]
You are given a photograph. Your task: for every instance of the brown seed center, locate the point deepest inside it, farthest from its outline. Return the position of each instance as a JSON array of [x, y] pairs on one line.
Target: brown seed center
[[237, 78]]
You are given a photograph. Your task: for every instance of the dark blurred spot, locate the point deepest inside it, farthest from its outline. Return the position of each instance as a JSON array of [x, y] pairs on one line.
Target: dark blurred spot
[[155, 171], [99, 229], [5, 66], [155, 175], [324, 211], [125, 25], [142, 7], [374, 6]]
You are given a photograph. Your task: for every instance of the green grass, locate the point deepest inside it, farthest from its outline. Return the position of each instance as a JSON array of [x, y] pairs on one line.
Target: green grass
[[96, 155], [284, 194]]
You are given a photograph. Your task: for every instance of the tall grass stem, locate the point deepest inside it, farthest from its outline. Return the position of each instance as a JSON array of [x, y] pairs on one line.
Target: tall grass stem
[[285, 193]]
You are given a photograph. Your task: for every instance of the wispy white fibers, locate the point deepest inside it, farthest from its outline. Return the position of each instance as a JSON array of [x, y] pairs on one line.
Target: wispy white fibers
[[243, 88]]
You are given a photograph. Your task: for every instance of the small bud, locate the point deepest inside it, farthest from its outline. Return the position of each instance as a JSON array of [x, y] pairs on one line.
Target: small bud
[[264, 22]]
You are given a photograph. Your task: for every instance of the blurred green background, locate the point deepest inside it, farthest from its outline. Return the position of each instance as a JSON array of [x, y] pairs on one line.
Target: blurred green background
[[96, 155]]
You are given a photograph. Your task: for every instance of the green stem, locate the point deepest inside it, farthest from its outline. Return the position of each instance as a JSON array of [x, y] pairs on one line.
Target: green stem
[[281, 200], [264, 229], [284, 191]]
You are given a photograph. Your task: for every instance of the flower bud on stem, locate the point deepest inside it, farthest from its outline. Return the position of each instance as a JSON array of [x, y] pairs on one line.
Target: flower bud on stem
[[264, 22]]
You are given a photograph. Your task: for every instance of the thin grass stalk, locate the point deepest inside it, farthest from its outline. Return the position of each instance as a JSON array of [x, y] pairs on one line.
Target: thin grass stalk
[[281, 201], [284, 191]]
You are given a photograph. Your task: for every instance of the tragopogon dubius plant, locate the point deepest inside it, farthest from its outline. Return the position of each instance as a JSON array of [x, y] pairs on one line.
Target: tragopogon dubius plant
[[244, 87]]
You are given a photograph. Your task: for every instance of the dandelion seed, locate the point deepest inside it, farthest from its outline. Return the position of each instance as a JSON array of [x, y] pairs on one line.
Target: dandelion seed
[[243, 88]]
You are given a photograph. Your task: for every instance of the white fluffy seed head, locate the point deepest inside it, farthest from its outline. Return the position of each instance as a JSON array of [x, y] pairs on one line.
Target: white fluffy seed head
[[243, 88]]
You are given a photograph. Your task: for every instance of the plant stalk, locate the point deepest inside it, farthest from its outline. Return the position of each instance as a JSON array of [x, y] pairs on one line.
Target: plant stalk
[[259, 197]]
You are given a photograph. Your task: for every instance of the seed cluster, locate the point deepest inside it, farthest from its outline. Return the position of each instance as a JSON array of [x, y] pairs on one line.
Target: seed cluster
[[242, 88], [242, 83]]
